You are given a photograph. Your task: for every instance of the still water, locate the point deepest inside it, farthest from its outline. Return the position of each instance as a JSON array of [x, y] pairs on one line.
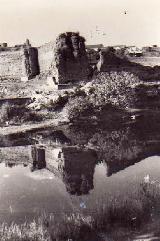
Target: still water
[[82, 169]]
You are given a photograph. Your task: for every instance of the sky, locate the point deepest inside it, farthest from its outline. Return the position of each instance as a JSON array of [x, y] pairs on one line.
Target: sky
[[99, 21]]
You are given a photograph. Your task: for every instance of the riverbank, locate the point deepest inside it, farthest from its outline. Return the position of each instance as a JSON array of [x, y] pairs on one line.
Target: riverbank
[[109, 97], [30, 127], [120, 221]]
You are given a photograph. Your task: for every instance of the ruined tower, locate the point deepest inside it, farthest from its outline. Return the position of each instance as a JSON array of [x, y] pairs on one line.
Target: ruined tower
[[65, 59]]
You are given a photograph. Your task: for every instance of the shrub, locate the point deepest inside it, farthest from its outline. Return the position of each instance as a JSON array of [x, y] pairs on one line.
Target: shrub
[[108, 89], [52, 104], [113, 88], [78, 107]]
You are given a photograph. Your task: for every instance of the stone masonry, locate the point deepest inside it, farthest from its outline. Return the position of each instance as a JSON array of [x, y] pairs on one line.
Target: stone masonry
[[17, 62], [65, 59]]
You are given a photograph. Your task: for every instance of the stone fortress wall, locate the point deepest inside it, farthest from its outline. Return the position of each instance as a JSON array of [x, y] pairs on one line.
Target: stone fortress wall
[[45, 58], [67, 59], [11, 63], [19, 61], [64, 59]]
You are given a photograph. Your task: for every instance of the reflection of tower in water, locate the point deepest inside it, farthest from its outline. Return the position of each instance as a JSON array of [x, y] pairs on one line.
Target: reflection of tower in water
[[38, 157], [75, 166], [78, 170]]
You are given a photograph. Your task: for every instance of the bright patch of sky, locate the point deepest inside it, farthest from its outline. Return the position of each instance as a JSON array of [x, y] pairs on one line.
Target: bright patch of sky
[[110, 22]]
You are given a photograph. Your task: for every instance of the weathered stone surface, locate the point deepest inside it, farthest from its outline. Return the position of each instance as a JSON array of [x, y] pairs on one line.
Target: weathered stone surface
[[18, 62], [65, 59], [51, 82], [108, 59], [11, 63], [45, 58]]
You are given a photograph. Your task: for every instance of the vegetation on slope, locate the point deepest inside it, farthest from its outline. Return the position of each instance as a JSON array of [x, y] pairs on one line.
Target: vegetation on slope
[[113, 89]]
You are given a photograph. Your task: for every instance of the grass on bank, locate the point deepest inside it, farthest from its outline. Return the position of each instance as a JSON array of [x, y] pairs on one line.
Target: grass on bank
[[128, 216], [34, 231]]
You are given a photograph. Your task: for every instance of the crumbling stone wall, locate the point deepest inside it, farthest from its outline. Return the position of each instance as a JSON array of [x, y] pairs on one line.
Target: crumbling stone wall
[[11, 63], [30, 62], [65, 59], [45, 58], [18, 62], [109, 59]]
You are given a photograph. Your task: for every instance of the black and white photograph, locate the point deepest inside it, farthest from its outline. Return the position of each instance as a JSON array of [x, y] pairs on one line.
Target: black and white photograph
[[79, 120]]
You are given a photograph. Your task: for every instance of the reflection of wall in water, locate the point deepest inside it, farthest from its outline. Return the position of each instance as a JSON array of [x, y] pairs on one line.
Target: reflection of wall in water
[[15, 154], [79, 165], [124, 154], [122, 148], [38, 157], [74, 165]]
